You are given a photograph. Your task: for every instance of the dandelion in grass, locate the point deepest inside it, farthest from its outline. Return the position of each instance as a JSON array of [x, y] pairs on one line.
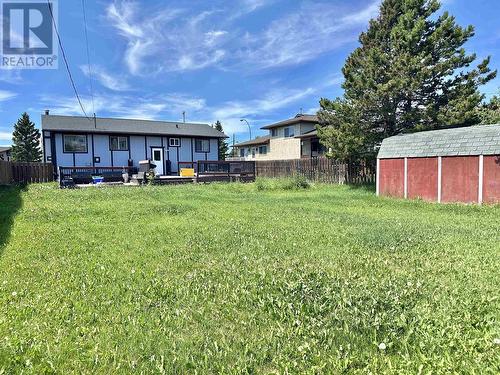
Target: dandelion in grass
[[382, 346], [496, 341], [14, 294]]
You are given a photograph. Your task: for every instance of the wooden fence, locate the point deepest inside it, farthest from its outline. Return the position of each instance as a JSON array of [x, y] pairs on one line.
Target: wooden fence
[[25, 173], [319, 170]]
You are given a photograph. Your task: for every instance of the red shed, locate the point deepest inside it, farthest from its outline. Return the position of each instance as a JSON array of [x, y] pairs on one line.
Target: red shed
[[449, 165]]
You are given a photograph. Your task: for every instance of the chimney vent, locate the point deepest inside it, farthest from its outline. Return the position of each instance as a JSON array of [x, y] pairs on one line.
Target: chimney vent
[[47, 112]]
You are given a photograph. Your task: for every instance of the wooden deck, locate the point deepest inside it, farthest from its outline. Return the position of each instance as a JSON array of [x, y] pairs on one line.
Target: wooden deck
[[206, 172]]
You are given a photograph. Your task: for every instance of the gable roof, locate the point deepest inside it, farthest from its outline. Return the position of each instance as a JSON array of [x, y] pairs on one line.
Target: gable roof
[[4, 149], [255, 141], [295, 120], [472, 140], [128, 126]]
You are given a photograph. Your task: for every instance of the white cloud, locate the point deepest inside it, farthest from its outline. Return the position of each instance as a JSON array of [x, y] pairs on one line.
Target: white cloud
[[163, 107], [244, 7], [5, 136], [213, 37], [169, 41], [106, 79], [295, 39], [256, 110], [12, 76], [175, 40], [272, 101], [6, 95]]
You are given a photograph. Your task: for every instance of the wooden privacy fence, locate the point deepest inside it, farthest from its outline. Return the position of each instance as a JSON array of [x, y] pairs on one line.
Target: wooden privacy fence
[[25, 173], [319, 170]]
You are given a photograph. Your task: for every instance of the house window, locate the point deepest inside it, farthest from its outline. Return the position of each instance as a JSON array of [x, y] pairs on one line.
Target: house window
[[274, 132], [263, 150], [202, 145], [75, 143], [174, 142], [242, 152], [289, 132], [253, 152], [118, 143]]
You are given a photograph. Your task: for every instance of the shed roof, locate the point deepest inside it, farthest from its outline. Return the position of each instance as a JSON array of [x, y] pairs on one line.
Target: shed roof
[[472, 140], [128, 126]]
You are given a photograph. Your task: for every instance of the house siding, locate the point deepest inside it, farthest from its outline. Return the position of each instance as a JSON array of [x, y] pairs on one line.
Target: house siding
[[280, 147], [139, 148]]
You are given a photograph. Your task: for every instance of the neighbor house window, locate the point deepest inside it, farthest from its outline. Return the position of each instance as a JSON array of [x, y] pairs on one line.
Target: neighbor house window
[[274, 132], [263, 150], [289, 132], [174, 142], [118, 143], [75, 143], [242, 152], [202, 145]]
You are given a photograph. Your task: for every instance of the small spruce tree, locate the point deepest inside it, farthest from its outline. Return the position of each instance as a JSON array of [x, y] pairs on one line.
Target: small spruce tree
[[223, 146], [26, 141]]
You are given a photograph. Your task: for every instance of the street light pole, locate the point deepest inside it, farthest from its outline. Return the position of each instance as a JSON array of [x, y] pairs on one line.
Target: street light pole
[[249, 129]]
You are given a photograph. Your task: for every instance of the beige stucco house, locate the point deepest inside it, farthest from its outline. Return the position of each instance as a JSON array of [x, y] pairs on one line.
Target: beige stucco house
[[294, 138]]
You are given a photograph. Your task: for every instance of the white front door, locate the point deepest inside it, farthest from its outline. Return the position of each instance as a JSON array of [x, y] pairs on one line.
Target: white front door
[[157, 159]]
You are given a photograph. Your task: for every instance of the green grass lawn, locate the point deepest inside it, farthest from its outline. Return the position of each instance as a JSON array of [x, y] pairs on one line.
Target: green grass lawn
[[245, 279]]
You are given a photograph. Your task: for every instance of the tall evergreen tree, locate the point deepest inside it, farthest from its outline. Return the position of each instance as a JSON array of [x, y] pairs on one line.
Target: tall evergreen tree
[[410, 73], [223, 146], [26, 139]]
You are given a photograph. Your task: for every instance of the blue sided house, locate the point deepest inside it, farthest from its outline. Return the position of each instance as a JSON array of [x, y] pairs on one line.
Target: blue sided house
[[72, 141]]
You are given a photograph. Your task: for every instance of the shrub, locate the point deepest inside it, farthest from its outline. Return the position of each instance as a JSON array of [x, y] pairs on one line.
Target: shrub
[[288, 183]]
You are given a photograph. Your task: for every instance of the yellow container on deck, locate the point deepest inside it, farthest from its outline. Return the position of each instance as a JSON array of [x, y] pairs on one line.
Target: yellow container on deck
[[187, 172]]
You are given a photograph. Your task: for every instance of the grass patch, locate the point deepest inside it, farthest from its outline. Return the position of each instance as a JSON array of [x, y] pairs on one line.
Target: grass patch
[[289, 183], [268, 277]]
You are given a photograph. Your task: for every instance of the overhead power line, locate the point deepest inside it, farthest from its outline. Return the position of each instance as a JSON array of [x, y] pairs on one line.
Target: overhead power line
[[66, 61], [88, 56]]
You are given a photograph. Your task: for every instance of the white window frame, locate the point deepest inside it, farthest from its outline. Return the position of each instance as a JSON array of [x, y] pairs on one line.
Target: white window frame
[[174, 142], [291, 132]]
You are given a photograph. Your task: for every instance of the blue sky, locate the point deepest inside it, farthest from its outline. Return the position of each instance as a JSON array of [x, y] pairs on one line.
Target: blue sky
[[263, 60]]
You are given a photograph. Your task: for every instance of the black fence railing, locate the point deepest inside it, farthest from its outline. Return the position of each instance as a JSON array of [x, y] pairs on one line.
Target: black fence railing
[[225, 171], [84, 175]]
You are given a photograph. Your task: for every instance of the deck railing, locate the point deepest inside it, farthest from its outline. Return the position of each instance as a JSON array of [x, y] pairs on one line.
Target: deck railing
[[83, 175], [225, 170]]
